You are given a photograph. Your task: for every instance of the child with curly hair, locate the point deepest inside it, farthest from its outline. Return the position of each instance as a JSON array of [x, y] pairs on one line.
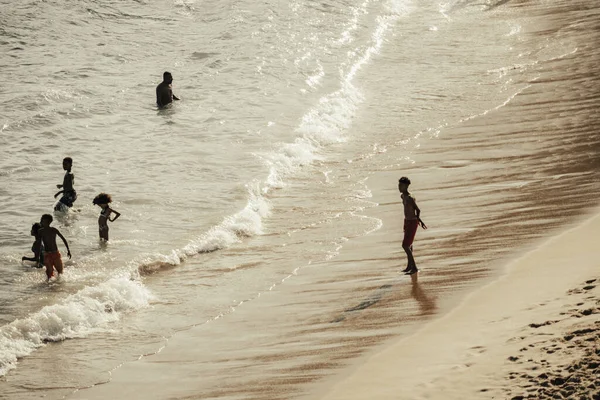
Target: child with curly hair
[[102, 200]]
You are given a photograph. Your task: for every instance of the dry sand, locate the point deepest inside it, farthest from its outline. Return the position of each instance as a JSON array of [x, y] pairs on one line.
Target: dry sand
[[532, 333]]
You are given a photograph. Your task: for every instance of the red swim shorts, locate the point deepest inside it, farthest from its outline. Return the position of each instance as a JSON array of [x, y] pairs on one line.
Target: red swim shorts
[[410, 230], [53, 260]]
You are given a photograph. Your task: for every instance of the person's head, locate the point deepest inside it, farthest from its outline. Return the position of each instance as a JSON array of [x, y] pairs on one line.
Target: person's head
[[67, 163], [167, 77], [403, 184], [102, 200], [46, 220], [35, 228]]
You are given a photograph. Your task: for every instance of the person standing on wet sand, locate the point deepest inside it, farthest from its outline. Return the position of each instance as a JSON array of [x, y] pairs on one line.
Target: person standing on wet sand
[[52, 257], [164, 91], [412, 220]]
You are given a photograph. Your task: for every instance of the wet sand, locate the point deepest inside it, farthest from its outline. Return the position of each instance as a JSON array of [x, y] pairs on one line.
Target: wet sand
[[476, 350], [492, 184], [532, 333]]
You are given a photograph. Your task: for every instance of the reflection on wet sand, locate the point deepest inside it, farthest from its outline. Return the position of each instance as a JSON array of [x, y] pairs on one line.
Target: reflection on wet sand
[[427, 304]]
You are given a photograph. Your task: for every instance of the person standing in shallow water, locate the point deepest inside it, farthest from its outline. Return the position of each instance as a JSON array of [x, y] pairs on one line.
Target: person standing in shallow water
[[412, 220], [37, 248], [69, 195], [52, 258], [103, 200], [164, 91]]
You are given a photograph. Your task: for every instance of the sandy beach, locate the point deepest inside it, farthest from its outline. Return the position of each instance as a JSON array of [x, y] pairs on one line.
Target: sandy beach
[[258, 256], [533, 333]]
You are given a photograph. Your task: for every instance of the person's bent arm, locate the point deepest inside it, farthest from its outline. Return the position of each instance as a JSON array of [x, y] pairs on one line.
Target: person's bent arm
[[117, 215], [65, 242], [418, 210]]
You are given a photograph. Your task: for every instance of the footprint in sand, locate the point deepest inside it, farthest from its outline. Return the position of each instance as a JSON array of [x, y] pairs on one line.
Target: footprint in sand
[[535, 326], [477, 351]]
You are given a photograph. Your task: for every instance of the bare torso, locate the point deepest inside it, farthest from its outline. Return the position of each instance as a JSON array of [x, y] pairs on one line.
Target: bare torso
[[164, 94], [103, 218], [48, 237], [68, 182], [408, 201]]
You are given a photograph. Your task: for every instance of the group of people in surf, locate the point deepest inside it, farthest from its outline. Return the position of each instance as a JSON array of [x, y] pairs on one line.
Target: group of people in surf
[[45, 250]]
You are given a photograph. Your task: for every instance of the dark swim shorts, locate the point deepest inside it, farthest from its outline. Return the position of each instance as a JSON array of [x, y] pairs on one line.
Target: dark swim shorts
[[68, 198]]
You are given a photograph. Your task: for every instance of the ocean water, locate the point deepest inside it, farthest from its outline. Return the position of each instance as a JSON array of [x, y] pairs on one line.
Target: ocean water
[[245, 204]]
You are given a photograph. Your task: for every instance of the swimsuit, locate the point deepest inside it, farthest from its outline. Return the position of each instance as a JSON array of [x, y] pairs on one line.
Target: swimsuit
[[411, 223], [410, 230], [53, 260], [68, 198], [105, 214], [69, 193]]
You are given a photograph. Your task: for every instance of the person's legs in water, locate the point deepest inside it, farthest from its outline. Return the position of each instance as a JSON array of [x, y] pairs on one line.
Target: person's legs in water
[[104, 233], [49, 264], [53, 260], [58, 264]]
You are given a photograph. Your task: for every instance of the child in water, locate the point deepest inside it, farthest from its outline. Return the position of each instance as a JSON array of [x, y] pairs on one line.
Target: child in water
[[103, 200], [52, 258], [37, 248], [69, 195]]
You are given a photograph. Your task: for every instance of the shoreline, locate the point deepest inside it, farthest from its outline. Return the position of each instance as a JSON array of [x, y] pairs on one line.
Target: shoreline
[[509, 167], [463, 353]]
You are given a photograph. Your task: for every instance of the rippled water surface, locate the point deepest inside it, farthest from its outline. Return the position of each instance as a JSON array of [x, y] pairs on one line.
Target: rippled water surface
[[260, 229]]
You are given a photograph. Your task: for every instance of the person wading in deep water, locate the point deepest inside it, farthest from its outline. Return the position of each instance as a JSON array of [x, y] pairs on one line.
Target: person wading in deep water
[[164, 91]]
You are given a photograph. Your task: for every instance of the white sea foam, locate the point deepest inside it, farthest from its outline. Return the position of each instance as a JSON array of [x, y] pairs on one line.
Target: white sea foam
[[91, 308], [352, 26], [78, 315], [327, 122], [324, 124], [245, 223]]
